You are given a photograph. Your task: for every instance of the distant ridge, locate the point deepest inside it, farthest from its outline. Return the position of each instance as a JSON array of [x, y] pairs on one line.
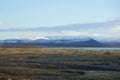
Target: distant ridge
[[68, 41]]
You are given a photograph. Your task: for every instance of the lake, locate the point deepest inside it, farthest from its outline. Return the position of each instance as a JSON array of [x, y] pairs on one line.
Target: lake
[[86, 48]]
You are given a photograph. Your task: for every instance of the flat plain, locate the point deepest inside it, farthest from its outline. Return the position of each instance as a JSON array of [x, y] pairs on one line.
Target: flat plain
[[16, 64]]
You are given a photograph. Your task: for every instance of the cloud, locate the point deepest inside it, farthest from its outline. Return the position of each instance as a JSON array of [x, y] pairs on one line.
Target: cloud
[[1, 23], [72, 33], [116, 28], [95, 35]]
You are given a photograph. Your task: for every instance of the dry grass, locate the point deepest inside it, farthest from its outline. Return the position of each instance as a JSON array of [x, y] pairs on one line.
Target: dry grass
[[12, 70]]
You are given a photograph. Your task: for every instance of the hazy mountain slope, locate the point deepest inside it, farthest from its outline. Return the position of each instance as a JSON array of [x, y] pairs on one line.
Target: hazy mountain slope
[[69, 41]]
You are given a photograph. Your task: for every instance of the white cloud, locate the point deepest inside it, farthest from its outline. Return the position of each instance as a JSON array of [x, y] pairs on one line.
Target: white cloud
[[72, 33], [116, 28], [95, 35], [1, 23]]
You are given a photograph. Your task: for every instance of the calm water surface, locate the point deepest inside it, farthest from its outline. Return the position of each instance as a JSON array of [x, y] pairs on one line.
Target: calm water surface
[[86, 48]]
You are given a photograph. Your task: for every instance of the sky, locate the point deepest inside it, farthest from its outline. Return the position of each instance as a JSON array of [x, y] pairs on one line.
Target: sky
[[49, 13]]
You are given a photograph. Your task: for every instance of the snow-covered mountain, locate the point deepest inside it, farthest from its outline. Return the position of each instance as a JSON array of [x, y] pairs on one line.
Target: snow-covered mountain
[[66, 41]]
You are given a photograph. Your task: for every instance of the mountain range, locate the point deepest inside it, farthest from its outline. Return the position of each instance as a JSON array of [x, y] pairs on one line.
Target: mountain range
[[64, 41]]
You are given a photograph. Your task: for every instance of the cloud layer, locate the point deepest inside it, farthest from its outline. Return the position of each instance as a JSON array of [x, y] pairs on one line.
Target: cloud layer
[[95, 30]]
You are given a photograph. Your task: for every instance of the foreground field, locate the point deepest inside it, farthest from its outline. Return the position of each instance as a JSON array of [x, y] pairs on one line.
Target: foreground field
[[15, 64]]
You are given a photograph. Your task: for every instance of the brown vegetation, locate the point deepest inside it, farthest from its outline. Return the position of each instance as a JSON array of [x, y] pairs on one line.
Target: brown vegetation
[[11, 69]]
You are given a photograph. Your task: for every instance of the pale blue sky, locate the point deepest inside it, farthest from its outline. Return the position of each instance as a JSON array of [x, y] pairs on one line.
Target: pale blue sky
[[36, 13], [49, 13]]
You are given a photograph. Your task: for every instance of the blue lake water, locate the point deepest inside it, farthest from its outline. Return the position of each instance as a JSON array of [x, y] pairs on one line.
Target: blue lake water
[[86, 48]]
